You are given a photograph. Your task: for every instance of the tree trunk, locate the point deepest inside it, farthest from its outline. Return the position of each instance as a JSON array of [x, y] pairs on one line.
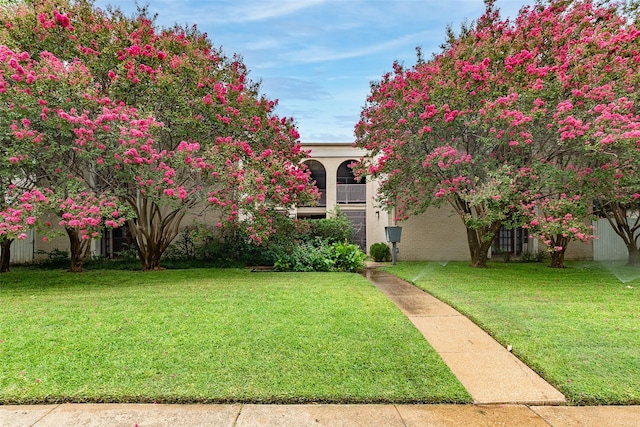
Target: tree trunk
[[5, 257], [79, 249], [150, 257], [627, 227], [480, 243], [153, 230], [479, 237], [634, 255], [557, 259], [557, 256]]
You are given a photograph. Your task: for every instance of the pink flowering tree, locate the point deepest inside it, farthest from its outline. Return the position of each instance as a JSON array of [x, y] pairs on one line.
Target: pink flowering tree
[[83, 217], [43, 143], [557, 220], [20, 213], [165, 122], [21, 202], [505, 118]]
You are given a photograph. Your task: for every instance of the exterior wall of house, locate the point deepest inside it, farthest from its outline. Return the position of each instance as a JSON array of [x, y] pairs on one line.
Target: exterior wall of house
[[59, 242], [578, 250], [436, 235], [608, 246], [21, 251], [331, 156], [34, 249]]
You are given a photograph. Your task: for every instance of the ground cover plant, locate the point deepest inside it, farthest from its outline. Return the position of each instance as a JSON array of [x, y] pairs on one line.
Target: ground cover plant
[[210, 335], [578, 327]]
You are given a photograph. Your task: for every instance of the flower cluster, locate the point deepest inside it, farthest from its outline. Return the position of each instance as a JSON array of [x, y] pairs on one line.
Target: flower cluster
[[89, 214], [22, 215]]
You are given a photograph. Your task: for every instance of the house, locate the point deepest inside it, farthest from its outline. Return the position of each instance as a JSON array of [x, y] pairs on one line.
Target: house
[[436, 235]]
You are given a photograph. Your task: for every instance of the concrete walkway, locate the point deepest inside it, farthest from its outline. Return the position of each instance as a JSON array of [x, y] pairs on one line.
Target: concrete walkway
[[505, 391], [489, 372]]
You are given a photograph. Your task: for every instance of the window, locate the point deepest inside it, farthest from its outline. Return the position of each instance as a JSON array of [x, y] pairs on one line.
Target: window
[[319, 176], [349, 189], [509, 241]]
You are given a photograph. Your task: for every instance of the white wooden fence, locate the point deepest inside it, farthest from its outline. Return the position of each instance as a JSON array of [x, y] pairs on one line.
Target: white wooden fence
[[22, 250], [607, 246]]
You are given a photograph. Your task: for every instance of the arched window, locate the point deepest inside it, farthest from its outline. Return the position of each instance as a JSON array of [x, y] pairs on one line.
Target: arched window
[[345, 174], [348, 188], [319, 176]]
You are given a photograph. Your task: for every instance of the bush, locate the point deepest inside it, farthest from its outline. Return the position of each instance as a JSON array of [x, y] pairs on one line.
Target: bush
[[55, 259], [335, 229], [348, 257], [539, 256], [321, 256], [228, 246], [380, 252], [298, 245], [305, 257]]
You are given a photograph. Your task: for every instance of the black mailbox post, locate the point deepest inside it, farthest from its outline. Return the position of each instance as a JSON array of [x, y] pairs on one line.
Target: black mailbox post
[[393, 234]]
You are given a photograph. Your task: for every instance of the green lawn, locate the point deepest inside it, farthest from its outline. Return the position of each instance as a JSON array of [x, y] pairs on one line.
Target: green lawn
[[208, 335], [578, 327]]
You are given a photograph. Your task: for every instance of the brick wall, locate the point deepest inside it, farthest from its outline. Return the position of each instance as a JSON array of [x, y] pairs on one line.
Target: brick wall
[[436, 235]]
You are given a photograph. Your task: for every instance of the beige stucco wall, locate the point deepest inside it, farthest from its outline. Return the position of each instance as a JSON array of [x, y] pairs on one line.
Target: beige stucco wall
[[60, 242], [577, 250]]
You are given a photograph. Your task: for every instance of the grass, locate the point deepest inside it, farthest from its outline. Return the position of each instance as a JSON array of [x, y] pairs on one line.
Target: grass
[[209, 335], [577, 327]]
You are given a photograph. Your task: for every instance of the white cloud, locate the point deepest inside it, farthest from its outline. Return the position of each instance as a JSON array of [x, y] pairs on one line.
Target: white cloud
[[320, 54], [251, 11]]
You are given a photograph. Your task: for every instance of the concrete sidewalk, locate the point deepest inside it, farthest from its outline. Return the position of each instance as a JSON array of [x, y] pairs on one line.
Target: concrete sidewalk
[[505, 391], [147, 415]]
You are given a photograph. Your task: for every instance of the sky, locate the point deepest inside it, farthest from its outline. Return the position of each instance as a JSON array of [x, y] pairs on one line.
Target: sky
[[318, 57]]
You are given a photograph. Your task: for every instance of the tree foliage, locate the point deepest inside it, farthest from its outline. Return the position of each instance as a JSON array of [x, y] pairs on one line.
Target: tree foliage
[[115, 112], [512, 124]]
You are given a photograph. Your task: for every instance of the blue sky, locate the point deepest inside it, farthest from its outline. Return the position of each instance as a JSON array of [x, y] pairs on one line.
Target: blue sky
[[317, 57]]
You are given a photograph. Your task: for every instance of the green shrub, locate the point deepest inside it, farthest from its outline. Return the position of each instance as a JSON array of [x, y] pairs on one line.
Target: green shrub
[[128, 253], [348, 257], [305, 257], [380, 252], [228, 246], [55, 259], [539, 256], [334, 229], [297, 245], [321, 256]]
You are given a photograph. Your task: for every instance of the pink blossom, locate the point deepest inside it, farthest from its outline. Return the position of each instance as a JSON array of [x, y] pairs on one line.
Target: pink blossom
[[63, 20]]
